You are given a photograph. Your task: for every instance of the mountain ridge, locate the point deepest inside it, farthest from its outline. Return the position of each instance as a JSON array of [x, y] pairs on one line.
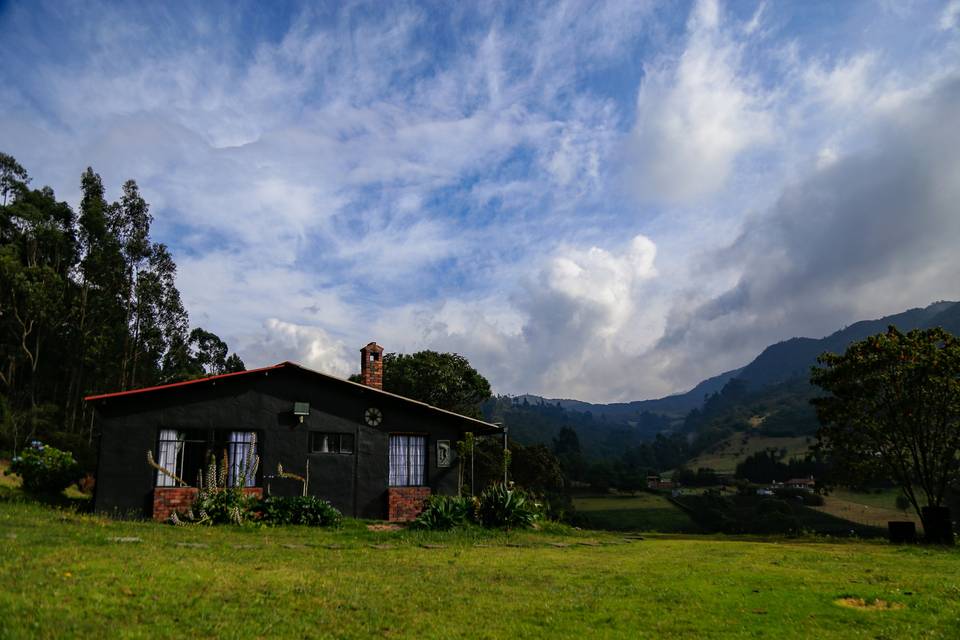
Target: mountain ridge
[[777, 363]]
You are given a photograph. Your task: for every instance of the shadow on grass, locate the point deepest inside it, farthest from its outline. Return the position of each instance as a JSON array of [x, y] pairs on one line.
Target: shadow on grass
[[78, 503]]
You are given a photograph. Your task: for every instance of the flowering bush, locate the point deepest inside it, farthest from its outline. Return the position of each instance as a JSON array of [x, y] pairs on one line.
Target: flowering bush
[[228, 505], [219, 501], [45, 469]]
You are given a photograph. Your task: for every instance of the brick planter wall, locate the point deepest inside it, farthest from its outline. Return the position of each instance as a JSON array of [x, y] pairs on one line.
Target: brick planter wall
[[166, 500], [406, 503]]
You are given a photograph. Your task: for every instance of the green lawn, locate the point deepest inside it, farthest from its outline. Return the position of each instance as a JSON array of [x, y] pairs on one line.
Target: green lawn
[[66, 575], [640, 512]]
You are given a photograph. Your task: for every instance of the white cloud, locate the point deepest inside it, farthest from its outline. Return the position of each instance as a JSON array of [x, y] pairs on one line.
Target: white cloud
[[695, 115], [869, 234], [349, 179], [950, 16], [846, 85], [310, 346]]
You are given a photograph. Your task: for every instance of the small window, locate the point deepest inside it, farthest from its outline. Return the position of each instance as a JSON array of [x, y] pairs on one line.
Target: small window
[[331, 442]]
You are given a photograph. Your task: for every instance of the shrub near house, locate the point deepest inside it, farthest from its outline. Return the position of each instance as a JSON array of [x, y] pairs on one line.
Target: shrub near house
[[45, 469]]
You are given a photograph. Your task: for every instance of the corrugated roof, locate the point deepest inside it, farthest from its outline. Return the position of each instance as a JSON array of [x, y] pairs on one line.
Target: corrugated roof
[[283, 365]]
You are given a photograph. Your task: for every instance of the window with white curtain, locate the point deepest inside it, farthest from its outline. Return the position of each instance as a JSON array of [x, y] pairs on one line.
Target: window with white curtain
[[169, 456], [241, 448], [408, 460]]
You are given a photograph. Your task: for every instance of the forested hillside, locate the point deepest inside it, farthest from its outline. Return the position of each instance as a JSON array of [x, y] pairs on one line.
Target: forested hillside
[[768, 398], [88, 304]]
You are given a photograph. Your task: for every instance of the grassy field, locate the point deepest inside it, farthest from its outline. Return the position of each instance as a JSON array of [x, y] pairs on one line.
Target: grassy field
[[873, 509], [725, 456], [640, 512], [69, 575], [881, 499]]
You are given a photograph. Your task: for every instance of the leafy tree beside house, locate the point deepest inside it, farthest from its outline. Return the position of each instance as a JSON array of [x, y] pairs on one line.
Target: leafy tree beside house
[[894, 408], [444, 380]]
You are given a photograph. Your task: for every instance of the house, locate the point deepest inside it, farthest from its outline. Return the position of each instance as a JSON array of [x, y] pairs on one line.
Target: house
[[806, 484], [371, 453], [656, 483]]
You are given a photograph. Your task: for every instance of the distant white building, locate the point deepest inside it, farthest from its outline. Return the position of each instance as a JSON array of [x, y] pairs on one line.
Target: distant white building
[[805, 484]]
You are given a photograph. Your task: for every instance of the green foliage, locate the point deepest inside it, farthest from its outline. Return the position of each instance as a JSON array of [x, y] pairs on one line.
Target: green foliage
[[228, 505], [506, 507], [566, 446], [88, 304], [220, 501], [893, 410], [754, 514], [499, 506], [45, 469], [802, 496], [776, 523], [772, 505], [304, 510], [702, 477], [444, 380], [902, 502], [768, 466], [284, 582], [540, 422], [644, 511], [442, 513], [354, 590]]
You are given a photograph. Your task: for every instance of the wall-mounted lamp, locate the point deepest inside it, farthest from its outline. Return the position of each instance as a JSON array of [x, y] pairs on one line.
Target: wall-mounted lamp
[[301, 410]]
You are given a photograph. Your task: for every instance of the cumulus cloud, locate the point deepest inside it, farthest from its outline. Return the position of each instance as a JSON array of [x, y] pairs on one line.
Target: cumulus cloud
[[310, 346]]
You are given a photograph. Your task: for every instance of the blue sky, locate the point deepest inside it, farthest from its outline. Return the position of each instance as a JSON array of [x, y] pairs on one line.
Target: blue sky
[[600, 200]]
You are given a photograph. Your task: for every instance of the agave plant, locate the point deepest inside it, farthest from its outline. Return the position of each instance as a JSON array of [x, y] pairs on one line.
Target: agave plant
[[442, 513], [506, 506]]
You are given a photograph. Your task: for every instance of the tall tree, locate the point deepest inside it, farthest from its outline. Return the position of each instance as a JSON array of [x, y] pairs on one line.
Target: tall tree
[[894, 407], [566, 446], [13, 177], [88, 303], [130, 221], [37, 253]]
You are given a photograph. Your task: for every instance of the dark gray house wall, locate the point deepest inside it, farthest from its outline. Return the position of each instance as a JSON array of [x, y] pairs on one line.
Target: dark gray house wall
[[262, 401]]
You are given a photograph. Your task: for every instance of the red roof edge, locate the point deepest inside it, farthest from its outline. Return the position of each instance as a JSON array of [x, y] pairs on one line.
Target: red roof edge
[[117, 394]]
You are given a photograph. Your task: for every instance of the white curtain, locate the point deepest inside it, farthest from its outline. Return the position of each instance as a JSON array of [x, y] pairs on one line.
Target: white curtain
[[239, 457], [171, 444], [407, 460], [418, 460]]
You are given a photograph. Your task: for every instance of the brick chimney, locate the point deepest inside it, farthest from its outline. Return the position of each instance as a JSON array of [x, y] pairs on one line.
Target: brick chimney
[[371, 365]]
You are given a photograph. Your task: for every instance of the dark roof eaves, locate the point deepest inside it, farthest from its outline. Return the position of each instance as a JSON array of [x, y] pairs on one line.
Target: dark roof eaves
[[485, 425]]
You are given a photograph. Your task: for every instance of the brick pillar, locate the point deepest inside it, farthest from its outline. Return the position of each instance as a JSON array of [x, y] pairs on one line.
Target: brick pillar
[[406, 503], [371, 365]]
